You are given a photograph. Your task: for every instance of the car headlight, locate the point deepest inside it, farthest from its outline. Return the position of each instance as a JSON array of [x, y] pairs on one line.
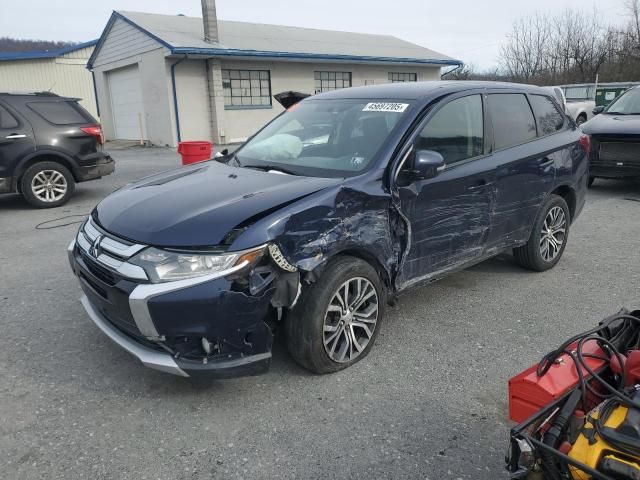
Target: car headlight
[[170, 266]]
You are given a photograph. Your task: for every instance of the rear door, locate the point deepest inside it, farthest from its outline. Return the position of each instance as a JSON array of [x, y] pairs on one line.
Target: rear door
[[525, 167], [16, 141], [450, 214]]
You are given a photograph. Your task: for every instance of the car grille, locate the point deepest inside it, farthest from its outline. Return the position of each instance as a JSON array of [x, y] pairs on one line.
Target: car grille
[[94, 285], [618, 155], [106, 256], [98, 270]]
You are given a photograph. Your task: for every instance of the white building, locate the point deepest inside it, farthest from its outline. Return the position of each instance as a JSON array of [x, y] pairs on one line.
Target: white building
[[62, 71], [168, 78]]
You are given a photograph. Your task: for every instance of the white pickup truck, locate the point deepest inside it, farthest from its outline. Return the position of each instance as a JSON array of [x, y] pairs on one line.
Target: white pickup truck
[[580, 102]]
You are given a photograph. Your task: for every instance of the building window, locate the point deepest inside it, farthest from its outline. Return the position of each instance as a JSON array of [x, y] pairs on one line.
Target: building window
[[246, 88], [402, 77], [326, 81]]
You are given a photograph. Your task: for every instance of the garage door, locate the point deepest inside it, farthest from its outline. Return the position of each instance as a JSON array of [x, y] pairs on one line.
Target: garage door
[[126, 103]]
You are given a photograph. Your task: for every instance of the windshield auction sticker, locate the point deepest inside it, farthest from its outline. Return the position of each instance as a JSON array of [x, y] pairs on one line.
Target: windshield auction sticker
[[385, 107]]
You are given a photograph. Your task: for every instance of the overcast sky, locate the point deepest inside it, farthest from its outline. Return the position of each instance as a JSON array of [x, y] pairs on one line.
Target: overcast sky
[[470, 30]]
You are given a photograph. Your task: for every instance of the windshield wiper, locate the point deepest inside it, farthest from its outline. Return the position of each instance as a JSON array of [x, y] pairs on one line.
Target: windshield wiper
[[617, 113], [227, 158], [266, 168]]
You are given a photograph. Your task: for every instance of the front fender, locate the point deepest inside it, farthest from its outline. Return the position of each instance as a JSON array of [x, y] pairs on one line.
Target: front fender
[[317, 228]]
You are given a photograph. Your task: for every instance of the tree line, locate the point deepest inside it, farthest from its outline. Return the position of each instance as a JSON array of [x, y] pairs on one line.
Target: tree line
[[8, 44], [572, 47]]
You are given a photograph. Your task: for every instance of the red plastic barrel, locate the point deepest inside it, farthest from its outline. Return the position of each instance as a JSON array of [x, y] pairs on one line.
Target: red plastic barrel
[[194, 152]]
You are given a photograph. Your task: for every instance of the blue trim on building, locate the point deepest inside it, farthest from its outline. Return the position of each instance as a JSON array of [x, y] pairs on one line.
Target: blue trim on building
[[101, 40], [45, 53], [95, 93], [143, 30], [442, 75], [224, 52], [175, 97], [115, 16]]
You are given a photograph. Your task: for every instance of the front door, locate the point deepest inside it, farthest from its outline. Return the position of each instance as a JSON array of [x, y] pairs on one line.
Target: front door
[[450, 214]]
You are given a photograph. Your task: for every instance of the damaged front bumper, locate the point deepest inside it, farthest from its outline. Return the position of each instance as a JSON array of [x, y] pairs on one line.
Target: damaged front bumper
[[235, 367], [211, 326]]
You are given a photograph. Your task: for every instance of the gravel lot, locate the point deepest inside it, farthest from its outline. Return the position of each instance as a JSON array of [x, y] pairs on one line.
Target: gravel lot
[[429, 402]]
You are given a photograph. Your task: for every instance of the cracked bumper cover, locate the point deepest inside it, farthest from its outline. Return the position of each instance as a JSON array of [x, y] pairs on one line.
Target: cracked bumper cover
[[103, 165], [211, 309]]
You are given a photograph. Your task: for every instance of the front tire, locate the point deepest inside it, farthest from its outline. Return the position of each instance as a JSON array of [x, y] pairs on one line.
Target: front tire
[[337, 319], [581, 119], [47, 185], [548, 237]]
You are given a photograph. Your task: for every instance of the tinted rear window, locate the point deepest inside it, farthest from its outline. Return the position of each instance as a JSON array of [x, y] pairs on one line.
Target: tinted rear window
[[512, 119], [62, 112], [6, 119], [549, 119]]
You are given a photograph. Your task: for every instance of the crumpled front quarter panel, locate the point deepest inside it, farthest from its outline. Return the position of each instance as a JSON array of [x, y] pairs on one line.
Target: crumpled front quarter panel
[[340, 219]]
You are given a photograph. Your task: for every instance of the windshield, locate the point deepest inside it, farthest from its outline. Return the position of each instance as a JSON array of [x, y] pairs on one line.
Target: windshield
[[323, 138], [626, 104]]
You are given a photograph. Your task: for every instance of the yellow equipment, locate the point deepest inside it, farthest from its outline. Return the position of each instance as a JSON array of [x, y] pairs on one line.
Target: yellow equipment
[[593, 451]]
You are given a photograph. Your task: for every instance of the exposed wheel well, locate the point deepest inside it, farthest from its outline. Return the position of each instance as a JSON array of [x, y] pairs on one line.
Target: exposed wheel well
[[569, 196], [583, 115], [371, 260], [47, 157]]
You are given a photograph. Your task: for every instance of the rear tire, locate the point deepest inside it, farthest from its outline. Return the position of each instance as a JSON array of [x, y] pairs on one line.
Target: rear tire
[[548, 237], [47, 185], [319, 331]]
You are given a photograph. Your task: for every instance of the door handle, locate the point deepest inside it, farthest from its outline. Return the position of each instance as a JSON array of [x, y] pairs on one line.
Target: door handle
[[15, 135], [482, 184]]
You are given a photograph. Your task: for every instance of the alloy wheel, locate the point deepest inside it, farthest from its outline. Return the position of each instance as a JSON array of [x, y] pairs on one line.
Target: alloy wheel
[[553, 234], [49, 185], [350, 320]]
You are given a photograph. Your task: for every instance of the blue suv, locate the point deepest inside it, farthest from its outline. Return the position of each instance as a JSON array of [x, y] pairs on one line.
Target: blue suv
[[322, 217]]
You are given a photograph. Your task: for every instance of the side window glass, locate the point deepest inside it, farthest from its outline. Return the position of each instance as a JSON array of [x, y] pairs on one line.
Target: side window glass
[[549, 119], [512, 119], [456, 131], [61, 112], [6, 119]]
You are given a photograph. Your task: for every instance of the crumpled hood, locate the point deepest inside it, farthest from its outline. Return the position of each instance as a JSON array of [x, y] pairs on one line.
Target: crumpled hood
[[605, 124], [197, 206]]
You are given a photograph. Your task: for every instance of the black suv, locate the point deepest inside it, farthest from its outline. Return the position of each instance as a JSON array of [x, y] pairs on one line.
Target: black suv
[[47, 143]]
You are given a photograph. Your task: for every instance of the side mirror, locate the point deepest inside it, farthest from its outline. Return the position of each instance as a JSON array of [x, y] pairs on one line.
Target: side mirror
[[598, 110], [426, 164], [221, 154]]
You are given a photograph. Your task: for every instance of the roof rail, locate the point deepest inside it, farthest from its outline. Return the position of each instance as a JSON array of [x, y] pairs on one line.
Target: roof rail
[[37, 94]]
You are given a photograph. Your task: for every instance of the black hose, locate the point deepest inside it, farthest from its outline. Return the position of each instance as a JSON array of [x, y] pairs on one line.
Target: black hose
[[615, 391], [553, 435], [549, 359], [41, 226], [615, 341]]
